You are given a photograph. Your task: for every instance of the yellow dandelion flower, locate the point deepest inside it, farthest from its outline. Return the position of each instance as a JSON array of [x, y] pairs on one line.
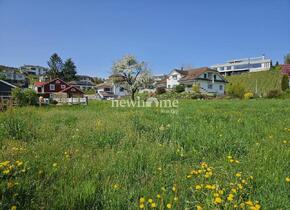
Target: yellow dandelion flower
[[237, 161], [232, 160], [188, 176], [249, 203], [5, 172], [239, 174], [5, 163], [234, 190], [13, 207], [159, 169], [221, 192], [240, 186], [230, 197], [158, 196], [54, 165], [218, 200], [174, 189], [142, 206], [115, 186], [150, 200], [169, 206], [197, 187], [216, 195], [229, 157], [142, 200], [287, 179], [18, 163], [153, 205], [175, 198], [198, 207], [285, 142]]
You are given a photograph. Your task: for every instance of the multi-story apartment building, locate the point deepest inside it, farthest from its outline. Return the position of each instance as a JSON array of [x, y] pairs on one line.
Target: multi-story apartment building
[[239, 66], [11, 74], [35, 70]]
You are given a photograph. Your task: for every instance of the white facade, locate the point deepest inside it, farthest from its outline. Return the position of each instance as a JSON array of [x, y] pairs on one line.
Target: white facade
[[173, 79], [109, 91], [238, 66], [35, 70]]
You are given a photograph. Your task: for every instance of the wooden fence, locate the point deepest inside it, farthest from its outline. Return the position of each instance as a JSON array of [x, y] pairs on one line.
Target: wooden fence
[[6, 102]]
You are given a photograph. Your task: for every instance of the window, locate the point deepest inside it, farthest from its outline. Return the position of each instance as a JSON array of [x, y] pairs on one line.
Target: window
[[62, 86], [168, 86], [52, 87], [210, 75], [174, 77], [107, 89], [214, 77], [121, 89], [229, 67], [209, 86], [204, 76], [221, 87], [222, 68]]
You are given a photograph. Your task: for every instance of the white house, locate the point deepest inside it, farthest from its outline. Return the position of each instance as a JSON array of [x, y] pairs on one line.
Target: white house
[[35, 70], [238, 66], [208, 80], [110, 90]]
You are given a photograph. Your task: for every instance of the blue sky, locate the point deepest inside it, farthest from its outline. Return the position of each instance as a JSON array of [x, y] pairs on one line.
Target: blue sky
[[165, 33]]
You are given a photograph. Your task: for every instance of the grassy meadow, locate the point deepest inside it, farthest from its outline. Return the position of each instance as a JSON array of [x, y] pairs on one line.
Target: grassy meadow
[[218, 154], [262, 82]]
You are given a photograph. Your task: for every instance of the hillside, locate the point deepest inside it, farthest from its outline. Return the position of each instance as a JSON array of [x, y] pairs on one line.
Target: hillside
[[262, 81]]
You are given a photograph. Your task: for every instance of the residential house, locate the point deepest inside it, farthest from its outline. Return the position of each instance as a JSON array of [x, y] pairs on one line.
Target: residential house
[[208, 80], [110, 90], [46, 89], [83, 85], [238, 66], [11, 74], [34, 70], [6, 88]]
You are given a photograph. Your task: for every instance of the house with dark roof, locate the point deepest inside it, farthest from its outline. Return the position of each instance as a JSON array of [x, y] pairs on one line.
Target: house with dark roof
[[6, 88], [83, 84], [208, 80], [47, 89], [110, 90]]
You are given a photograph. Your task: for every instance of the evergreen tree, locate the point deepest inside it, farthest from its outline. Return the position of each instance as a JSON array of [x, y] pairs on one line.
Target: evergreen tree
[[287, 59], [55, 66], [69, 70]]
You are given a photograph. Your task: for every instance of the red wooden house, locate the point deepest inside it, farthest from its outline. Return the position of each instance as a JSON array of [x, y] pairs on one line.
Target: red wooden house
[[46, 89]]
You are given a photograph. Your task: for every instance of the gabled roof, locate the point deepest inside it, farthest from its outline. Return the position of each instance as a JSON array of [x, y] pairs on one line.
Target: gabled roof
[[7, 83], [104, 85], [40, 84], [195, 73], [70, 87], [88, 83]]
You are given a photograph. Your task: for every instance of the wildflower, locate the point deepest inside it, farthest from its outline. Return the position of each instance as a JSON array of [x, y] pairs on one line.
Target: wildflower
[[13, 207], [208, 174], [285, 142], [163, 189], [175, 198], [238, 174], [198, 207], [5, 172], [153, 205], [188, 176], [287, 179], [234, 190], [5, 163], [230, 197], [169, 206], [174, 189], [255, 207], [249, 203], [159, 168], [221, 192], [10, 185], [158, 196], [142, 206], [240, 186], [150, 200], [244, 181], [195, 172], [142, 200], [54, 165], [218, 200], [216, 195], [18, 163], [230, 157], [197, 187], [115, 186]]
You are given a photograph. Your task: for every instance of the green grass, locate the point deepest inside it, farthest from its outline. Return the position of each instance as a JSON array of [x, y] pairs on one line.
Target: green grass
[[264, 81], [98, 157]]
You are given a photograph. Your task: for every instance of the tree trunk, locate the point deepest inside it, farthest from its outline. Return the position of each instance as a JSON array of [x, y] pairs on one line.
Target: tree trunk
[[133, 95]]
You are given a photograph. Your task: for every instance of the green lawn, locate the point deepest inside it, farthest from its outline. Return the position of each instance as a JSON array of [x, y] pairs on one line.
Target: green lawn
[[212, 154], [260, 82]]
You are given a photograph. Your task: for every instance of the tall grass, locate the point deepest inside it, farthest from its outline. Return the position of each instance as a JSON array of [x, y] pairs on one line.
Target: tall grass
[[98, 157]]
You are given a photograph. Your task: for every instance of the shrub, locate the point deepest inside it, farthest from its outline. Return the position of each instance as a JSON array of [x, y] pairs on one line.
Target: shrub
[[273, 94], [160, 90], [24, 97], [196, 88], [285, 82], [236, 90], [179, 88], [248, 95]]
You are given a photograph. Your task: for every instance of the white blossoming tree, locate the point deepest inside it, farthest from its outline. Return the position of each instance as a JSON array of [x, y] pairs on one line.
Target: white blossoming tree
[[131, 74]]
